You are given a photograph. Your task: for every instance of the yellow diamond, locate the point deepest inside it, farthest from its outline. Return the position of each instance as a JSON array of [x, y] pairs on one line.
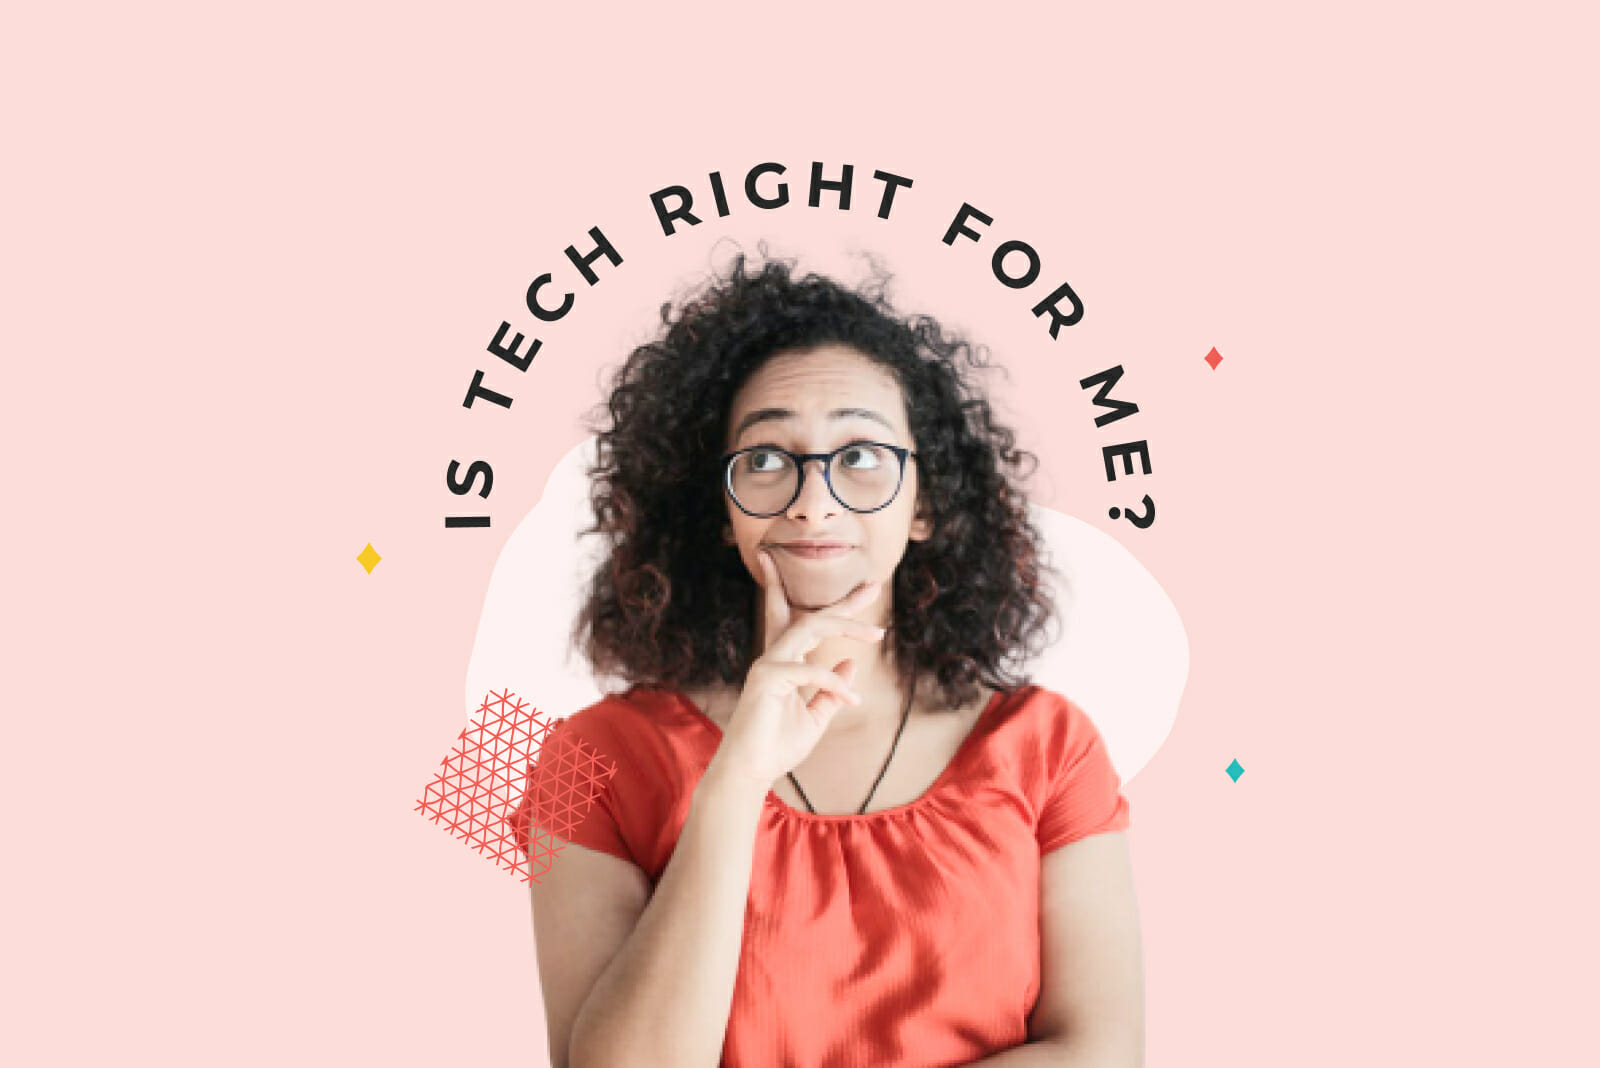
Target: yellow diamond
[[369, 558]]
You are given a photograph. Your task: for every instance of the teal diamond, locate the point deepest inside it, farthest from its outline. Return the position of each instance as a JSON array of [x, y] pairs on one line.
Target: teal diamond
[[1235, 770]]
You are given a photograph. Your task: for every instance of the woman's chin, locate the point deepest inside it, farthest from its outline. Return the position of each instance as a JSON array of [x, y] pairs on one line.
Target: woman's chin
[[817, 584]]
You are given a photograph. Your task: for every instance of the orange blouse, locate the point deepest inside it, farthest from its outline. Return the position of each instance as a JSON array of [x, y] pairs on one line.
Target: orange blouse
[[906, 937]]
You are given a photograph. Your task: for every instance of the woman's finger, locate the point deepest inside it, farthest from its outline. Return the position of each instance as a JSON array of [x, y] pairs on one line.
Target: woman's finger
[[808, 632], [825, 703], [796, 643], [790, 677], [775, 603]]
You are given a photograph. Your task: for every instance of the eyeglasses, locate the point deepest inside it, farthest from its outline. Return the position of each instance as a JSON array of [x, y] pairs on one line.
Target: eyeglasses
[[864, 476]]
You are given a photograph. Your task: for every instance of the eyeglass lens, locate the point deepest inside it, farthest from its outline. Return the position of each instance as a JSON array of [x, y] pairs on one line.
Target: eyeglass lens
[[864, 477]]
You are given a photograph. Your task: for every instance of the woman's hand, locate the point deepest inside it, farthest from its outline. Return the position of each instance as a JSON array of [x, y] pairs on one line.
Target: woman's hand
[[774, 727]]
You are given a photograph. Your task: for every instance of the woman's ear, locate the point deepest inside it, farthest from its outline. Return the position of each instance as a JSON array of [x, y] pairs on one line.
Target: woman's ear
[[922, 523]]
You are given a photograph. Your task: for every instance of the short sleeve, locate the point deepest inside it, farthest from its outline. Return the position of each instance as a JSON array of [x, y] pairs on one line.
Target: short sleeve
[[571, 793], [1083, 793]]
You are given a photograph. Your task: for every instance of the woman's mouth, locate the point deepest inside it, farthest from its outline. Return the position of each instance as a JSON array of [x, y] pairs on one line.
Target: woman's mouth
[[815, 552]]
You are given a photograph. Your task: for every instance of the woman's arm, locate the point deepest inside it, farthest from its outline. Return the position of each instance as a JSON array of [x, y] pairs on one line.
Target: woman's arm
[[665, 996], [1090, 1012]]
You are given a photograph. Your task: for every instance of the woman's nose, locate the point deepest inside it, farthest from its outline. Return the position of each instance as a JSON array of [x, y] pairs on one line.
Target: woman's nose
[[815, 482]]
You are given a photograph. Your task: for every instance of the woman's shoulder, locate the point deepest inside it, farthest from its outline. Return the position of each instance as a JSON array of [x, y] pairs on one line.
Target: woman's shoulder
[[1030, 704], [631, 707], [640, 723], [1038, 718], [1050, 737]]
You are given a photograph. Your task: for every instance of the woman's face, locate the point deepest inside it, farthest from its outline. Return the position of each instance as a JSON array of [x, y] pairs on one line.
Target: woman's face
[[797, 401]]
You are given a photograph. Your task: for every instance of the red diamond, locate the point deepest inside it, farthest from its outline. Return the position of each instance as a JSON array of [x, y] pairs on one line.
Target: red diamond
[[1213, 358]]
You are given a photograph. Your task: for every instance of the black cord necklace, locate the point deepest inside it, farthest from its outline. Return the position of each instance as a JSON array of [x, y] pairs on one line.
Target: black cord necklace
[[905, 715]]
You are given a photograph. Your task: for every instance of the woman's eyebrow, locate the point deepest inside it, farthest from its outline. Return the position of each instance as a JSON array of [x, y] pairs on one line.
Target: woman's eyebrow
[[764, 415]]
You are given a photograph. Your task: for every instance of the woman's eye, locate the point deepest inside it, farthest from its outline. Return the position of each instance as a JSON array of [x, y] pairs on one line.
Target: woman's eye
[[766, 461], [861, 457]]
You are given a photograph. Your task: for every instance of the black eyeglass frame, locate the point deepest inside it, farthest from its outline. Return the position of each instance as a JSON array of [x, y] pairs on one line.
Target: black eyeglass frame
[[801, 461]]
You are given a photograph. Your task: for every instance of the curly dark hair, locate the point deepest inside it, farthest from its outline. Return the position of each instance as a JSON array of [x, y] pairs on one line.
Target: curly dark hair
[[673, 606]]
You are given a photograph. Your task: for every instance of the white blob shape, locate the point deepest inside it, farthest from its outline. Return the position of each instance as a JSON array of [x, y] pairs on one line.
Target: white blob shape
[[1120, 652]]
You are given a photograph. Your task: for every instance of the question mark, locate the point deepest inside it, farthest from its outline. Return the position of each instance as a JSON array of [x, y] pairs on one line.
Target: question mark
[[1140, 521]]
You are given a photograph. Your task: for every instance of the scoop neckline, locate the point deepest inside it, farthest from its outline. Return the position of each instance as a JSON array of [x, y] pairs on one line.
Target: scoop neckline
[[773, 801]]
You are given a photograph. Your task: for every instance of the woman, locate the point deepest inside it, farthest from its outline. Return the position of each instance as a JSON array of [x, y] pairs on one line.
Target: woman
[[819, 570]]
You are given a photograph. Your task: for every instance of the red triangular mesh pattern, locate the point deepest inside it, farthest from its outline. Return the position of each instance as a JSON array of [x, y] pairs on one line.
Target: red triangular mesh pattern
[[481, 783], [563, 786]]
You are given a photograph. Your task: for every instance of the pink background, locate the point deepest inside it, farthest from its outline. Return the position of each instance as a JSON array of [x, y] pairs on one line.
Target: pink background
[[252, 261]]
